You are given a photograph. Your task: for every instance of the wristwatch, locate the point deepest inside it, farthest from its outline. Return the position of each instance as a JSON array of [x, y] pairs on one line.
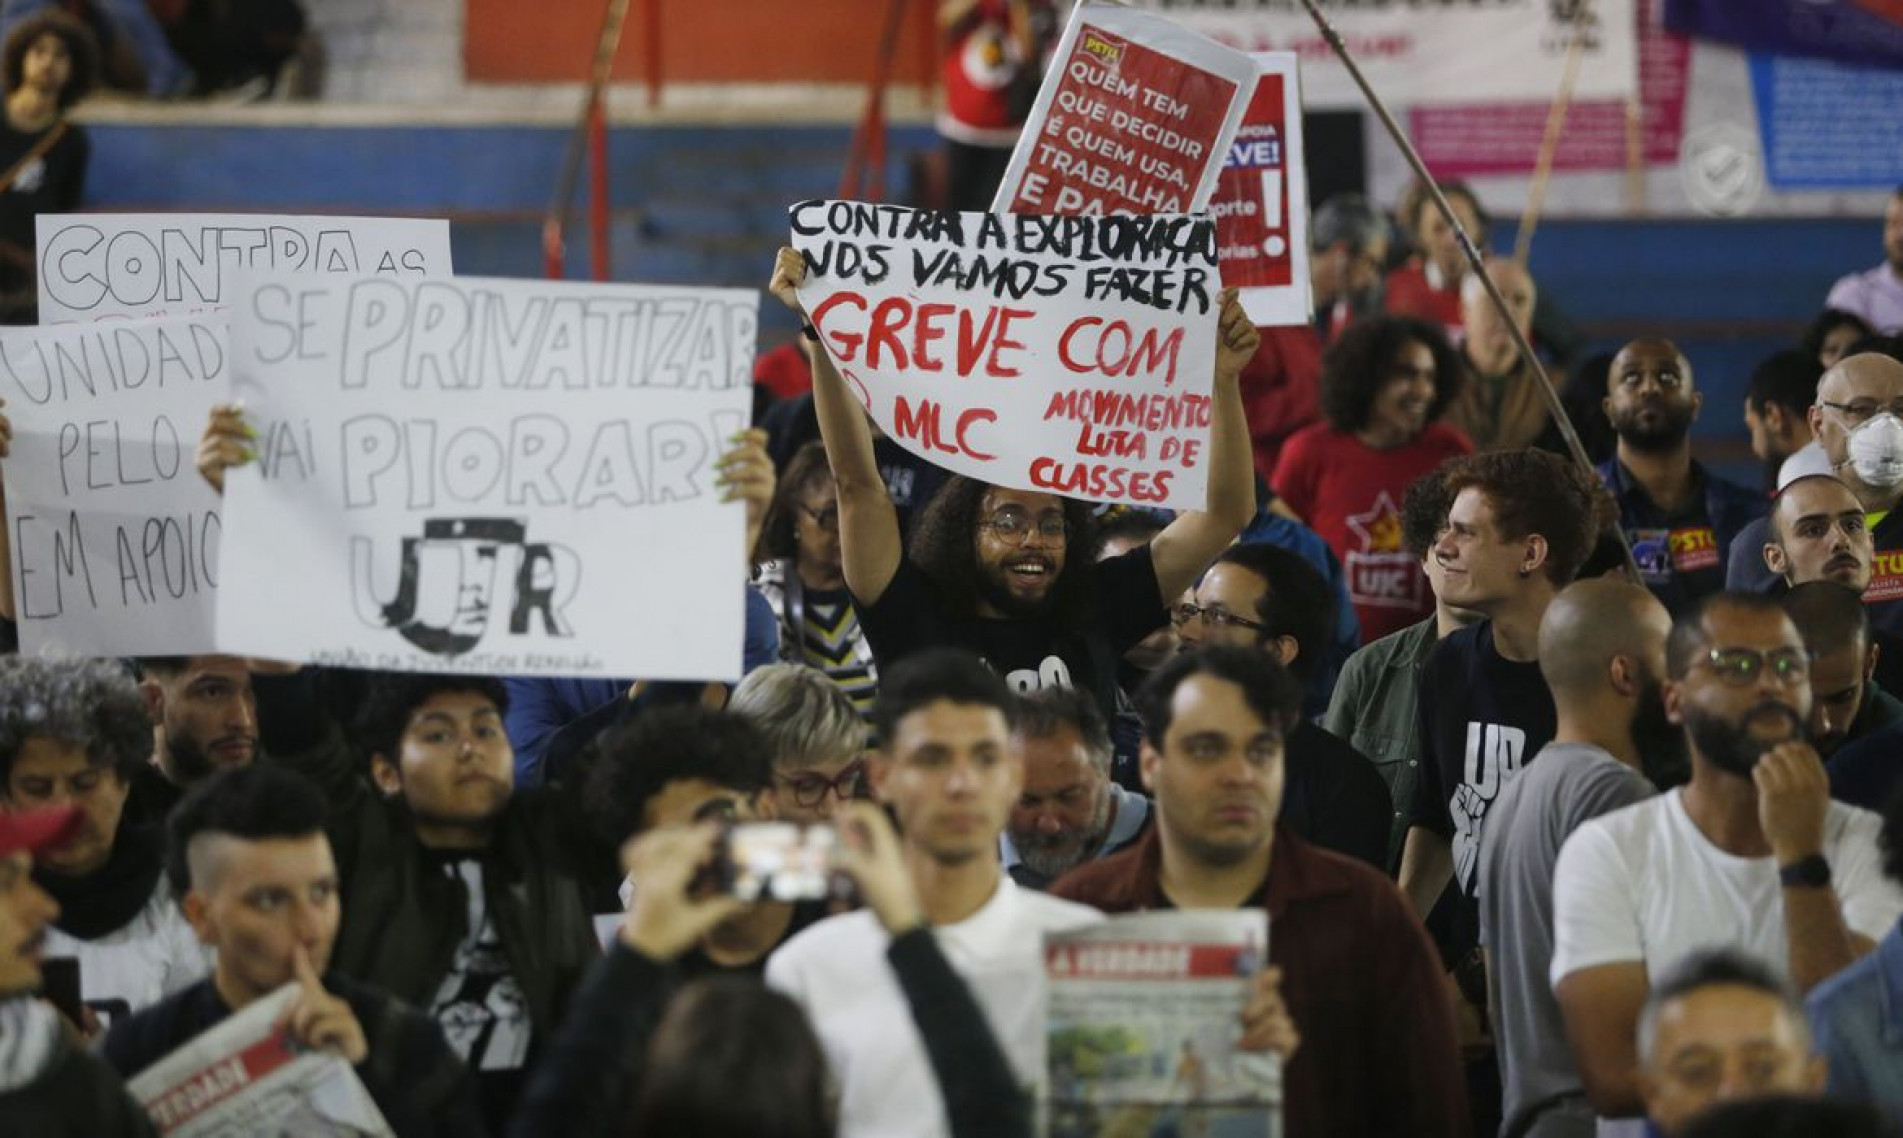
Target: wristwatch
[[1811, 872]]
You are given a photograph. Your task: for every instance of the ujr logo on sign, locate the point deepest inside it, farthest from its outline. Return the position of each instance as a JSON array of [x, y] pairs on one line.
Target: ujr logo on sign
[[447, 583]]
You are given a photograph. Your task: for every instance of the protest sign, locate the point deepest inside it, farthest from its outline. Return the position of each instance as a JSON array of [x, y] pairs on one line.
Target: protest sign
[[99, 265], [1462, 51], [1261, 200], [1141, 1023], [1134, 116], [1071, 355], [114, 535], [473, 475], [246, 1076]]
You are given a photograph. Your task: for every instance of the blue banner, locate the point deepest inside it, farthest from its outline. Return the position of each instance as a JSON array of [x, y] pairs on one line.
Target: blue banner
[[1867, 32], [1826, 126]]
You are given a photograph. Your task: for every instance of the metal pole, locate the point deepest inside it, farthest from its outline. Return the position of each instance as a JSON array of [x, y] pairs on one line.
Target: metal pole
[[1475, 261]]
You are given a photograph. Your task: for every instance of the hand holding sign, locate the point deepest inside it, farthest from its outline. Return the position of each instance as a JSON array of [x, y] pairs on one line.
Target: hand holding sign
[[746, 473], [1236, 337], [227, 442]]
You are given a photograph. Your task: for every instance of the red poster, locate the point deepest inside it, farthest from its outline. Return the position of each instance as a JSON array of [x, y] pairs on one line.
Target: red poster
[[1260, 204]]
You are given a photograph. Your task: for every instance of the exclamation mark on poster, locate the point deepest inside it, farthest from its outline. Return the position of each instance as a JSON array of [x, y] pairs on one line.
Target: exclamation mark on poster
[[1274, 245]]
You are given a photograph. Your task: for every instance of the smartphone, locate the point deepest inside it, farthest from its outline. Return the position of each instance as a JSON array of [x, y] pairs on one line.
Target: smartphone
[[59, 983], [780, 861]]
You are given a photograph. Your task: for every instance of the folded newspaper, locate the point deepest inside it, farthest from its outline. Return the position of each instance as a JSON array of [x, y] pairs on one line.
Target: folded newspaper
[[1145, 1016], [245, 1077]]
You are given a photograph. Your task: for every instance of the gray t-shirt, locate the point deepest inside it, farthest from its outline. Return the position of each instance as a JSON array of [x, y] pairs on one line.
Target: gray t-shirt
[[1565, 785]]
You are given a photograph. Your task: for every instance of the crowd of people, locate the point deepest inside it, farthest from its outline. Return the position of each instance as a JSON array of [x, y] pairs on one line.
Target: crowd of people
[[1571, 792]]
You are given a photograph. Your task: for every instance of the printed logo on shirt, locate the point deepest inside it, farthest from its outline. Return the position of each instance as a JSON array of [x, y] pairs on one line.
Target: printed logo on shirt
[[1494, 754], [1382, 574], [1664, 553], [1051, 672], [31, 178], [1694, 548], [1886, 577]]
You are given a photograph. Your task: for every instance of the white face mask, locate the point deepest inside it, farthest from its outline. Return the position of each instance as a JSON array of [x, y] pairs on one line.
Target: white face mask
[[1876, 451]]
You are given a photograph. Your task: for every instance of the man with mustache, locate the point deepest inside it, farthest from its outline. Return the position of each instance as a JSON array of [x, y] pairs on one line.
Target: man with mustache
[[1602, 651], [1751, 854], [1007, 573], [1819, 532], [1679, 517], [50, 1085], [1070, 810], [204, 713]]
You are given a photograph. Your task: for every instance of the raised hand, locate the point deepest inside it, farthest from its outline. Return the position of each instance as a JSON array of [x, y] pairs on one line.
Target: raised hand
[[869, 854], [1236, 337], [319, 1020], [227, 442]]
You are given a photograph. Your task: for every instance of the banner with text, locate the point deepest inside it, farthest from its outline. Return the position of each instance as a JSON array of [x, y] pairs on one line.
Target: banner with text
[[99, 265], [1865, 32], [1261, 200], [1134, 116], [1463, 51], [471, 475], [114, 535], [1072, 355]]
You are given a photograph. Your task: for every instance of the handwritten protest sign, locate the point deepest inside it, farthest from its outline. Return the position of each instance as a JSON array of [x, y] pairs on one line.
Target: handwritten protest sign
[[1134, 116], [99, 265], [1066, 354], [115, 536], [1261, 200], [488, 476]]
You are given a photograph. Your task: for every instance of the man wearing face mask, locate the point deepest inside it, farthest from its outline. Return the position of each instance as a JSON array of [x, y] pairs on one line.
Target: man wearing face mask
[[1602, 651], [1751, 853], [1858, 420], [1679, 517]]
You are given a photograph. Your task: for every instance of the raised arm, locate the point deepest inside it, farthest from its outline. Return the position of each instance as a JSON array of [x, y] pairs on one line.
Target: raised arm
[[6, 529], [1186, 547], [869, 543]]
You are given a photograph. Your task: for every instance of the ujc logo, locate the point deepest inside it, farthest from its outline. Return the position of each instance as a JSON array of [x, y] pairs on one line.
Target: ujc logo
[[446, 589]]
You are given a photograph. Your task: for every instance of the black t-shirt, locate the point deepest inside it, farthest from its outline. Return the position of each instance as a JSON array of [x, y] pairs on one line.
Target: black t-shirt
[[1482, 717], [1039, 652], [50, 183]]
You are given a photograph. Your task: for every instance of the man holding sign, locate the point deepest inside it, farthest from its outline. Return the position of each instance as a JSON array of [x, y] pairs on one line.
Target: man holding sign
[[999, 566]]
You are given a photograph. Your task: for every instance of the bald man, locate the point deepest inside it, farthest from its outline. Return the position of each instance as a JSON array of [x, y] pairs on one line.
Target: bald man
[[1680, 518], [1846, 703], [1856, 421], [1819, 532], [1500, 407], [1602, 651]]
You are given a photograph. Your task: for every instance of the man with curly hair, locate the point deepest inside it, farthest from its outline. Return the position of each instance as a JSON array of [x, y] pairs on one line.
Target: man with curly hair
[[74, 733], [1005, 573]]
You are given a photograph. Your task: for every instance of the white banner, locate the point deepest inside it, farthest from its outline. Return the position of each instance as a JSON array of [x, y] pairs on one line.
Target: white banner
[[114, 535], [1430, 54], [1261, 200], [99, 265], [1134, 116], [1073, 355], [511, 477]]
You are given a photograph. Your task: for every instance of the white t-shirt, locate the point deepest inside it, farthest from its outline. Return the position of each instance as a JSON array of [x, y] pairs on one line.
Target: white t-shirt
[[138, 964], [836, 970], [1643, 884]]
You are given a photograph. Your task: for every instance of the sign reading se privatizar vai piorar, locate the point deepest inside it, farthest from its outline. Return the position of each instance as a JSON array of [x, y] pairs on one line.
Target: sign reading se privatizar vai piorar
[[472, 475], [1067, 354], [114, 534], [1261, 200], [1134, 116], [96, 266]]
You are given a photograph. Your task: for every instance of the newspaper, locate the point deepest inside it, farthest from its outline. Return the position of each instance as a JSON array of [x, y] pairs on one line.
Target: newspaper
[[245, 1078], [1145, 1015]]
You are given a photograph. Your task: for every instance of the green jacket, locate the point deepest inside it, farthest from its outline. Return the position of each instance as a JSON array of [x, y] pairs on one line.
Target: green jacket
[[1373, 708]]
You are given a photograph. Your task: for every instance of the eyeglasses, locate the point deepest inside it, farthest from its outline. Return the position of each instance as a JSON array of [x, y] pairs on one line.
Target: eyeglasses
[[1187, 611], [1863, 410], [1010, 525], [811, 788], [1739, 667], [826, 519]]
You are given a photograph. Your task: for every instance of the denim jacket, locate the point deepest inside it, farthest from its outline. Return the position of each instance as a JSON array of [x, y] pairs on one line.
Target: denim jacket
[[1857, 1019]]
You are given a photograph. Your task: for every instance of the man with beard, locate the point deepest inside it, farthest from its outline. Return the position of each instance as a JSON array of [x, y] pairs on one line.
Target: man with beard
[[1846, 703], [1679, 517], [204, 713], [1876, 294], [1819, 532], [1070, 811], [1602, 651], [1752, 853], [1007, 573]]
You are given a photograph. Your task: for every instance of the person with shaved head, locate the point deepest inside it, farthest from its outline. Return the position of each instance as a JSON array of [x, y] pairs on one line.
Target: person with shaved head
[[1846, 703], [1602, 651], [1680, 518], [1819, 532]]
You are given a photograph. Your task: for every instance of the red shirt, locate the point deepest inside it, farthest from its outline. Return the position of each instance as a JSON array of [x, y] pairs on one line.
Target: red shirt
[[981, 59], [1281, 390], [1379, 1058], [1410, 294], [784, 371], [1350, 493]]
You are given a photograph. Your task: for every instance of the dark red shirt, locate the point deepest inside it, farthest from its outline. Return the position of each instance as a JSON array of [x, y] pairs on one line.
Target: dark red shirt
[[1281, 390], [1379, 1057]]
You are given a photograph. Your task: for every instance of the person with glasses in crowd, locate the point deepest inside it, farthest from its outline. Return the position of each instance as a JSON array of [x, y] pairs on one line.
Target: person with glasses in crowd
[[814, 734], [1752, 853], [1008, 573], [799, 573]]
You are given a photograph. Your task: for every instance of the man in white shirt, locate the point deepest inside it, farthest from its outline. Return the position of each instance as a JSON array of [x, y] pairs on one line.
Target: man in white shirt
[[1877, 294], [946, 767], [1751, 854]]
